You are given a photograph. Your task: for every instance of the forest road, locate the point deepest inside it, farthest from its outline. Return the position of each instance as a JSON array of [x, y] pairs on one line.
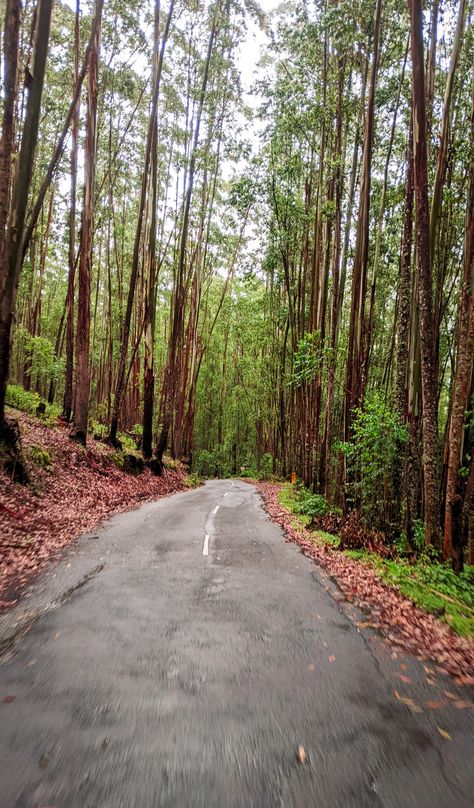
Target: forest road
[[187, 672]]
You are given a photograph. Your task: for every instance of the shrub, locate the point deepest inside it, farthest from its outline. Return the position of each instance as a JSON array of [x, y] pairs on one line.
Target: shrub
[[266, 467], [309, 504], [43, 364], [373, 458], [32, 403], [41, 457], [212, 463]]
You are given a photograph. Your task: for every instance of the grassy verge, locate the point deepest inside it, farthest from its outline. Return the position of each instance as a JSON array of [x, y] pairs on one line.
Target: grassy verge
[[431, 586]]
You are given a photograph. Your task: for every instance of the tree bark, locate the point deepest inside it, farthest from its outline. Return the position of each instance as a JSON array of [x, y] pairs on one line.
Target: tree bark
[[120, 383], [452, 547], [425, 284], [12, 258], [82, 377], [69, 369]]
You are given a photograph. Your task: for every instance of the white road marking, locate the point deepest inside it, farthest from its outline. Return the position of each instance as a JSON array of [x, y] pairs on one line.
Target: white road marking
[[216, 509], [205, 549]]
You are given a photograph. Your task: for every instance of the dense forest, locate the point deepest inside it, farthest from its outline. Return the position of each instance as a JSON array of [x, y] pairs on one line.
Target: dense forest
[[261, 282]]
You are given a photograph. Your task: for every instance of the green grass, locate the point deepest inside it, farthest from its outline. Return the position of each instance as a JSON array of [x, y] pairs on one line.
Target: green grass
[[431, 586], [289, 498], [436, 589]]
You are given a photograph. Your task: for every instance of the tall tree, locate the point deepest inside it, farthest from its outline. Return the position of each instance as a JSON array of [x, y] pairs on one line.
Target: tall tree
[[11, 255], [69, 370], [82, 377], [424, 280]]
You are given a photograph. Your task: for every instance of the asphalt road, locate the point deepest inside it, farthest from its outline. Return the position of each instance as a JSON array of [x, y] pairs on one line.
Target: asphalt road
[[159, 676]]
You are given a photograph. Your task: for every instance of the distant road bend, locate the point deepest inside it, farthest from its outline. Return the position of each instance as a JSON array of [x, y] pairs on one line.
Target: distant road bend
[[205, 663]]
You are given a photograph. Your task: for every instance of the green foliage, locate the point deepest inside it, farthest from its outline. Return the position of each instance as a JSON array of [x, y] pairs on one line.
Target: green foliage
[[431, 586], [436, 588], [32, 403], [192, 481], [42, 362], [212, 463], [372, 457], [309, 504], [306, 360], [303, 502], [128, 443], [248, 473], [242, 194], [41, 457], [169, 463], [266, 467]]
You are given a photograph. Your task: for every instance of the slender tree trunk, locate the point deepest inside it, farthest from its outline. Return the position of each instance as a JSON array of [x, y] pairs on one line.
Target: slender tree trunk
[[174, 344], [462, 382], [11, 37], [12, 257], [121, 373], [150, 294], [356, 373], [60, 145], [69, 369], [82, 378], [404, 287], [425, 284]]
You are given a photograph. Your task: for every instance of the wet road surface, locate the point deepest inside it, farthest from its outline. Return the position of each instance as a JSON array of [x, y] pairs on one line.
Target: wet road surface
[[185, 656]]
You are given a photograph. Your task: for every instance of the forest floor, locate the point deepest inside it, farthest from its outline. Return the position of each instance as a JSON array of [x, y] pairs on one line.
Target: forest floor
[[361, 580], [71, 491]]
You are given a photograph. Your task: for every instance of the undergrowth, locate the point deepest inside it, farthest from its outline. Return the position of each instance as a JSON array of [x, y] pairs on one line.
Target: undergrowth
[[32, 403]]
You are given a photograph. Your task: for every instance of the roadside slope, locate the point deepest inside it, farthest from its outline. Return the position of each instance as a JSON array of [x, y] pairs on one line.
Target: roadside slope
[[402, 623], [71, 491]]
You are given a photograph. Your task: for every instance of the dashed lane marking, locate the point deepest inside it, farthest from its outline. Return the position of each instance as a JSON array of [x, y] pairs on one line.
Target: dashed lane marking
[[205, 549]]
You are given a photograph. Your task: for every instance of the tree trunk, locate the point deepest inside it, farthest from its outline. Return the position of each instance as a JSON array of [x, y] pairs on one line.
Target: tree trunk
[[12, 257], [69, 369], [120, 383], [82, 378], [356, 376], [462, 381], [425, 285]]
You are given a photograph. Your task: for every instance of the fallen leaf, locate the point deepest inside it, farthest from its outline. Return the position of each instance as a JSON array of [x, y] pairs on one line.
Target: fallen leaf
[[464, 705], [9, 699], [404, 678], [465, 680], [332, 658], [311, 667], [412, 705], [444, 733], [450, 695], [403, 667], [301, 754], [436, 705]]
